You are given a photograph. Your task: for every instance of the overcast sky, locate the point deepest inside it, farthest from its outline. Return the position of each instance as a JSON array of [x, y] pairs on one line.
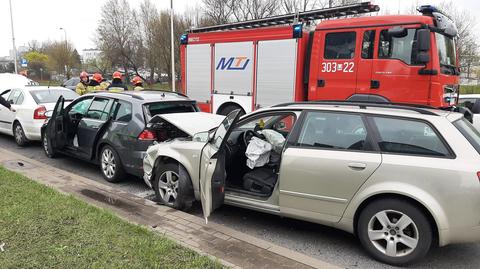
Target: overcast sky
[[41, 20]]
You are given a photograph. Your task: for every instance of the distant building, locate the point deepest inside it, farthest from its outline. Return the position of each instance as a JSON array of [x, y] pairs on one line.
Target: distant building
[[90, 54]]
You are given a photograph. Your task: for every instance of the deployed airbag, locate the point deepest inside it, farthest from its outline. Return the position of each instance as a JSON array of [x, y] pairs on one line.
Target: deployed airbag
[[258, 152], [275, 138]]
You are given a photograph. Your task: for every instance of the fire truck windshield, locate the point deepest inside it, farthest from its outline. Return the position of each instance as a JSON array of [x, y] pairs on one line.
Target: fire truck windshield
[[446, 54]]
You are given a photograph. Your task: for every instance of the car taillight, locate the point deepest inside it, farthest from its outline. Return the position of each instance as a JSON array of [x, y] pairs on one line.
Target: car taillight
[[147, 135], [39, 113], [478, 175]]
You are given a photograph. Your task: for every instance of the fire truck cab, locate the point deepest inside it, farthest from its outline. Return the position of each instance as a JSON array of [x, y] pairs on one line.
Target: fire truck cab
[[249, 65]]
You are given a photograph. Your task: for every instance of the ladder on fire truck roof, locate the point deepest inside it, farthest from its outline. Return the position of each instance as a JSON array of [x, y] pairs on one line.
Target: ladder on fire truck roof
[[317, 14]]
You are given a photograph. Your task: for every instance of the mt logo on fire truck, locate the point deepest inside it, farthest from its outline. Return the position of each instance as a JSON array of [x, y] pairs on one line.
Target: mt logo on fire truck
[[233, 63]]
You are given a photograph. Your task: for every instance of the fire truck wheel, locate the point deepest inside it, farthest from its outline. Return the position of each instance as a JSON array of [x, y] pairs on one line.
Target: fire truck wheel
[[229, 108]]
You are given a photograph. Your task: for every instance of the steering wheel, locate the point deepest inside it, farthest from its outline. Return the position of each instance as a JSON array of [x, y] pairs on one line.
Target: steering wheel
[[249, 134]]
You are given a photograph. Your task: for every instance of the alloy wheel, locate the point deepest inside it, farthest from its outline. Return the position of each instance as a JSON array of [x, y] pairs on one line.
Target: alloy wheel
[[18, 134], [168, 186], [393, 233], [108, 163], [45, 144]]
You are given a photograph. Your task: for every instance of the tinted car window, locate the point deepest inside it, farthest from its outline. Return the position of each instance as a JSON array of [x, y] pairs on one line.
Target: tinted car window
[[51, 96], [409, 137], [100, 109], [333, 131], [169, 107], [123, 112], [340, 45]]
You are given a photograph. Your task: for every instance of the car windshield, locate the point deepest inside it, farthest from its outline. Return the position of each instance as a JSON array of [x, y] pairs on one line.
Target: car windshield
[[446, 54], [52, 95], [153, 109], [469, 132]]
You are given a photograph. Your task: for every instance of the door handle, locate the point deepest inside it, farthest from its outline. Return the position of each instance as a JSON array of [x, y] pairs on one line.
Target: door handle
[[321, 83], [374, 84], [357, 166], [95, 127]]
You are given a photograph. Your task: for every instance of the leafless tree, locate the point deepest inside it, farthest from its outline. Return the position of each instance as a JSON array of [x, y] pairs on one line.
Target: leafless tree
[[149, 16], [118, 35], [218, 11]]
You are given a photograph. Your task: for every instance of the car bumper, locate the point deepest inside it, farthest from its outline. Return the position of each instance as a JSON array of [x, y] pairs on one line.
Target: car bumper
[[460, 235], [33, 129]]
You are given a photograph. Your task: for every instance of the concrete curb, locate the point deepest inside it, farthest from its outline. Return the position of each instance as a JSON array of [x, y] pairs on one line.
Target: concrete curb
[[232, 248]]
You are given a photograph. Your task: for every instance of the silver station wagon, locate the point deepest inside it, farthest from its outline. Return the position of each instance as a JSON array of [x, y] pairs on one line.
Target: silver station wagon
[[401, 178]]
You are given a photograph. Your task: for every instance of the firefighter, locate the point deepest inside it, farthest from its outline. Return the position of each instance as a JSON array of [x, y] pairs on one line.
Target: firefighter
[[137, 83], [117, 84], [81, 87], [95, 83]]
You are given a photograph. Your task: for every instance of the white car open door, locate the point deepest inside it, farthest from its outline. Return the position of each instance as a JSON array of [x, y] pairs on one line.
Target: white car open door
[[212, 166]]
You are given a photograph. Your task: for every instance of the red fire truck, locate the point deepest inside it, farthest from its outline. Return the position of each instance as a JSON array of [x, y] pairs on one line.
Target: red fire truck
[[258, 63]]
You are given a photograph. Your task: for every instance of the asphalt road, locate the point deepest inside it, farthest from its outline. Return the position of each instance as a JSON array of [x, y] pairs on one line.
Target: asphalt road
[[315, 240]]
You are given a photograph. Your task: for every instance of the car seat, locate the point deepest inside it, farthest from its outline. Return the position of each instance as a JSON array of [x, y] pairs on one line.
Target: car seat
[[260, 180]]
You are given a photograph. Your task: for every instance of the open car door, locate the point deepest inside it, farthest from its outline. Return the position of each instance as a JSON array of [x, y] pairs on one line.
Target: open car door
[[55, 130], [212, 166]]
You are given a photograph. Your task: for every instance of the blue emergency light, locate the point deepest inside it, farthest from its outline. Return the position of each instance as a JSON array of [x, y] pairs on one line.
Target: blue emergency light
[[297, 30], [427, 9], [184, 39]]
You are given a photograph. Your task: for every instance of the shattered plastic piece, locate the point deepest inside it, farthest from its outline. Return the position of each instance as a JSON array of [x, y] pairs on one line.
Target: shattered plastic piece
[[2, 245], [258, 153]]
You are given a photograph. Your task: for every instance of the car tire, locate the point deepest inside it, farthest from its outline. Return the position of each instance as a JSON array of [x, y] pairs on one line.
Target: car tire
[[173, 186], [111, 165], [19, 135], [47, 147], [394, 231], [229, 108]]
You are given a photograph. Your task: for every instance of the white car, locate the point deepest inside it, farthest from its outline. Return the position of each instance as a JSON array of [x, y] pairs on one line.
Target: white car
[[469, 101], [10, 81], [30, 104]]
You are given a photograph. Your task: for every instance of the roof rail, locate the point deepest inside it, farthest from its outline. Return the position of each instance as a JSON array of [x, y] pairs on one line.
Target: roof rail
[[306, 16], [422, 109], [136, 96]]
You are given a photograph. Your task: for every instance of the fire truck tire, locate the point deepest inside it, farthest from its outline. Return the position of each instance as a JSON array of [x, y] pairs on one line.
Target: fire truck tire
[[229, 108]]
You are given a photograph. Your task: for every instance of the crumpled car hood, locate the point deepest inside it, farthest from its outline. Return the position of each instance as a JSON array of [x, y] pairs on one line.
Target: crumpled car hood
[[192, 122]]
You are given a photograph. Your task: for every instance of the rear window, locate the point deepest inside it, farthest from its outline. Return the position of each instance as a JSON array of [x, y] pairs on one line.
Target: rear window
[[154, 109], [469, 132], [51, 96]]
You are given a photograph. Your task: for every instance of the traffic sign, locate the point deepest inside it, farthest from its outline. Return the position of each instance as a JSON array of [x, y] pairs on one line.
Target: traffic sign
[[24, 62]]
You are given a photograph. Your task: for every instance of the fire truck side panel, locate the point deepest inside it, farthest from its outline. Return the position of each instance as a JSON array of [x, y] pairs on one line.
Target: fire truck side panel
[[276, 72], [198, 72]]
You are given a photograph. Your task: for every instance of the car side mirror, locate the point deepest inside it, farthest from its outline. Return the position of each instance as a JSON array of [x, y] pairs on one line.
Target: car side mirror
[[11, 102], [397, 31], [476, 107], [280, 125], [423, 57], [211, 136], [423, 40]]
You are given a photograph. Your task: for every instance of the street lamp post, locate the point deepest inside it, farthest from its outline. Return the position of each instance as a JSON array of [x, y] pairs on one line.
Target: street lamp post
[[13, 39], [172, 45], [66, 51]]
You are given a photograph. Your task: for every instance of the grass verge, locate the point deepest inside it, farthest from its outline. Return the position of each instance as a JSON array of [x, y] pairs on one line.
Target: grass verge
[[469, 89], [42, 228]]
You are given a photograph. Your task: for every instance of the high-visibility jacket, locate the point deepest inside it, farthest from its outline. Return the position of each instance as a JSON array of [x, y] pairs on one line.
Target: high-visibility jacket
[[138, 88], [81, 89]]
